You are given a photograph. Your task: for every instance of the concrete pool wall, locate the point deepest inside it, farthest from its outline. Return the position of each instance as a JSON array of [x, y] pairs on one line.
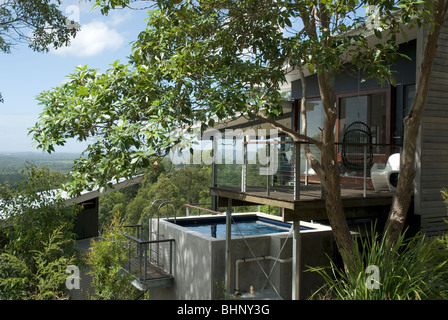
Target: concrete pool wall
[[199, 261]]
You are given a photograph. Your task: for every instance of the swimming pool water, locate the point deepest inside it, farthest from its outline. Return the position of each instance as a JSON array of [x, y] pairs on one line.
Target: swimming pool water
[[239, 228]]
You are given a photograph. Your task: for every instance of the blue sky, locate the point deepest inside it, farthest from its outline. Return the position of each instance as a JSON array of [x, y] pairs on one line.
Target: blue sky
[[24, 73]]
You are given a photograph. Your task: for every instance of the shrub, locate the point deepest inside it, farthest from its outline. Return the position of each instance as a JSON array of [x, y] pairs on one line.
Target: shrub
[[413, 268], [37, 241], [106, 258], [43, 279]]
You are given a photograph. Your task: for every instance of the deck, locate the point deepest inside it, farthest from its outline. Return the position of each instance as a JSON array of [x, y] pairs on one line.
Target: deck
[[310, 205], [149, 273], [152, 277]]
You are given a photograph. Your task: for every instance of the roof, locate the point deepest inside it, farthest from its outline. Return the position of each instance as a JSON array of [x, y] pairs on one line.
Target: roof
[[87, 195]]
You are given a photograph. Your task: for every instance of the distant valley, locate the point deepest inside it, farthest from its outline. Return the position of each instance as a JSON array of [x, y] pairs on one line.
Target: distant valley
[[12, 164]]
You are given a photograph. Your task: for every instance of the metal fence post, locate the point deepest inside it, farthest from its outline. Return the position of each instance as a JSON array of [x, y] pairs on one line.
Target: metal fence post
[[244, 166], [364, 183], [296, 171]]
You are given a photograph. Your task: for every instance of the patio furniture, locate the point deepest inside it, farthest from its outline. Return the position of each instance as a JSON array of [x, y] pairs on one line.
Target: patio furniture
[[357, 140], [385, 175]]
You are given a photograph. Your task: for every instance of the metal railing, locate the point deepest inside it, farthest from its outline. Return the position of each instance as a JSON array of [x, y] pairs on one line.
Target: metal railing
[[140, 263], [196, 207], [288, 170]]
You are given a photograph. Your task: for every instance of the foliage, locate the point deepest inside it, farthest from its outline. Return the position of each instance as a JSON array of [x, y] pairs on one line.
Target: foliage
[[195, 63], [110, 204], [185, 185], [414, 268], [440, 256], [215, 60], [43, 279], [106, 258], [444, 193], [33, 210], [38, 242], [180, 186], [40, 23]]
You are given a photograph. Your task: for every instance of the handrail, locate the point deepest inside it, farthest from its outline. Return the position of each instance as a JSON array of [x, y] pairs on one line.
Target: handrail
[[167, 211], [284, 174], [336, 143], [132, 225], [142, 248], [203, 209], [138, 241]]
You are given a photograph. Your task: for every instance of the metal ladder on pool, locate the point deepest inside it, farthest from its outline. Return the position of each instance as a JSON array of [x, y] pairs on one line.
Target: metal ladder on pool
[[154, 233]]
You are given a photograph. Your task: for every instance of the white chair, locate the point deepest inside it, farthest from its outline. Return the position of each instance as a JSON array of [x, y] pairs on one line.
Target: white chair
[[381, 173]]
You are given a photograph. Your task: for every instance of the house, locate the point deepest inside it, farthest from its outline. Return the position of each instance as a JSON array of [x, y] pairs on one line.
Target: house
[[292, 188], [382, 109]]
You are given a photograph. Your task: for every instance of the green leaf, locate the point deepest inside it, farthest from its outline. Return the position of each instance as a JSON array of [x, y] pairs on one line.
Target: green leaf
[[82, 91], [378, 33]]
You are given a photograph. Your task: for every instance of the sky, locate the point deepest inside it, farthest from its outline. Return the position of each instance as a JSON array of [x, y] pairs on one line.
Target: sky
[[25, 73]]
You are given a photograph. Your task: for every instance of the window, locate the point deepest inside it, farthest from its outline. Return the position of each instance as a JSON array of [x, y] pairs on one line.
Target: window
[[370, 109], [314, 118]]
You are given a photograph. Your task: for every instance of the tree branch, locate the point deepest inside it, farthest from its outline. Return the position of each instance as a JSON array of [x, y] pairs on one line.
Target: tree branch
[[294, 135]]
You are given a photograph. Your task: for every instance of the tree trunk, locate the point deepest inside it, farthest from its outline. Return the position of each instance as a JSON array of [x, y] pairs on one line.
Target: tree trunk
[[333, 204], [402, 197], [331, 179], [327, 169]]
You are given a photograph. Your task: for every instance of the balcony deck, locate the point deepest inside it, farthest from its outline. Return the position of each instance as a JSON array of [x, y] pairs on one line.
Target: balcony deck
[[151, 278], [149, 273], [310, 205]]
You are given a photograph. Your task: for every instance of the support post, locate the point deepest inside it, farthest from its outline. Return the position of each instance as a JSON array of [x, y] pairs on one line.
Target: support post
[[296, 260], [214, 175], [228, 244], [364, 183], [244, 166], [296, 171]]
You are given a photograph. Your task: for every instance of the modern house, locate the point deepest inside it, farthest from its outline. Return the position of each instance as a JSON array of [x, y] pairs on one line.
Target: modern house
[[381, 110], [256, 165], [260, 166]]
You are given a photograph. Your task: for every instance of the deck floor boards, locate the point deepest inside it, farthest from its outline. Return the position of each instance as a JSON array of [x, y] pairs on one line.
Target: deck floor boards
[[310, 205], [152, 272]]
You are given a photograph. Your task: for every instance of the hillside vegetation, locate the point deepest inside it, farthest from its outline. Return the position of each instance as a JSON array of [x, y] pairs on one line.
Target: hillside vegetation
[[13, 164]]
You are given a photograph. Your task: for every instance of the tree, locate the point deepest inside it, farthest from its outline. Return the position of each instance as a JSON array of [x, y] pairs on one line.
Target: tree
[[198, 61], [179, 186], [39, 242], [436, 13], [39, 23]]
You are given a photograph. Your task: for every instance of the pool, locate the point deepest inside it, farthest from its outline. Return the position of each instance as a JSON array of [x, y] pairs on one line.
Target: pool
[[200, 258], [241, 226]]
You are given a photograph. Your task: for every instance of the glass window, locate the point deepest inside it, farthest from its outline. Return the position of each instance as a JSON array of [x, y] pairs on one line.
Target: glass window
[[314, 118], [370, 109], [377, 121], [352, 109]]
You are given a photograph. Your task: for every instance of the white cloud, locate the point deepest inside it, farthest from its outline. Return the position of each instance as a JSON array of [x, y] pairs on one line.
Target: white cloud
[[93, 39]]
